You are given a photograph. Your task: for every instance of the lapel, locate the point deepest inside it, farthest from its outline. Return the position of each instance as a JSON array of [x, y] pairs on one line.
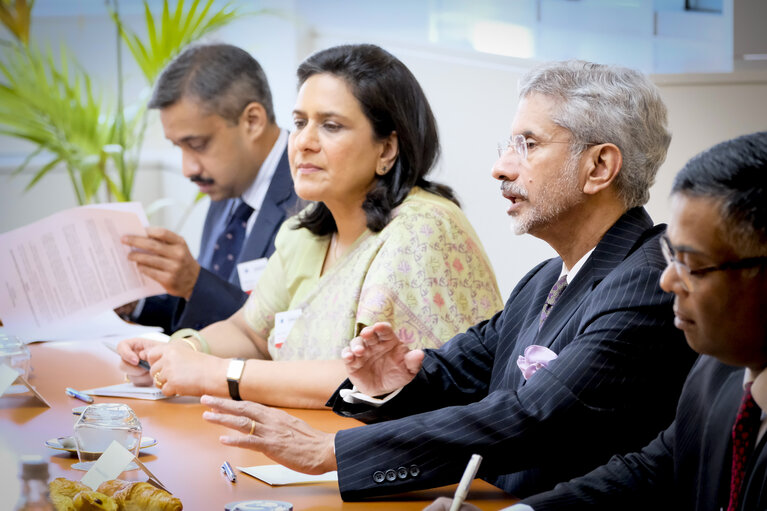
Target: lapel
[[278, 200], [617, 243]]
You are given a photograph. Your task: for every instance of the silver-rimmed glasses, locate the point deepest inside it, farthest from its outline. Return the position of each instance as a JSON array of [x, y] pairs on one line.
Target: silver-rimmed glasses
[[521, 145]]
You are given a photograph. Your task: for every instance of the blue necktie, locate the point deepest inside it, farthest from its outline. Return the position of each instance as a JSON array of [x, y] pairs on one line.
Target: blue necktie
[[229, 243]]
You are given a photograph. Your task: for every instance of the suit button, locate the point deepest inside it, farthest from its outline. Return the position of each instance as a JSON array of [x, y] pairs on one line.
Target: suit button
[[414, 470], [378, 476], [391, 475], [402, 473]]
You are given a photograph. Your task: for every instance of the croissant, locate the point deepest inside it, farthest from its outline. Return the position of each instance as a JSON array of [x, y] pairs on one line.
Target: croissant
[[94, 501], [69, 495], [131, 496]]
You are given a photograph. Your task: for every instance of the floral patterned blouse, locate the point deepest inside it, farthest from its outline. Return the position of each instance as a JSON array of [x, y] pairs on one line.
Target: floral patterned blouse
[[426, 273]]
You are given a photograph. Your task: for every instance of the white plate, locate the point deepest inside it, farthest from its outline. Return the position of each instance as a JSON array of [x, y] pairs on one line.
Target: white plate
[[54, 443]]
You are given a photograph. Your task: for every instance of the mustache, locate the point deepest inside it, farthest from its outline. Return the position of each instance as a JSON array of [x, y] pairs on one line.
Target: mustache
[[512, 188], [201, 180]]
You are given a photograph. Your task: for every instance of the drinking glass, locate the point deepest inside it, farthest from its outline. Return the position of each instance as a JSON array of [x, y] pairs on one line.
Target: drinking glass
[[99, 425]]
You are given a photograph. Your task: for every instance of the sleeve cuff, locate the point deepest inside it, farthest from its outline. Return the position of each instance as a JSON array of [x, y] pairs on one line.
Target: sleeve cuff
[[354, 396]]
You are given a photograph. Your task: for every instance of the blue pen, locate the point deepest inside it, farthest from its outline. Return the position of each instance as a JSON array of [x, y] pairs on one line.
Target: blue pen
[[226, 468], [144, 364], [78, 395]]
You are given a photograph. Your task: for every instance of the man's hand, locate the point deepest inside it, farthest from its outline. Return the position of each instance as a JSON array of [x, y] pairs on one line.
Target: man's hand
[[164, 256], [179, 370], [377, 362], [444, 503], [280, 436], [131, 351]]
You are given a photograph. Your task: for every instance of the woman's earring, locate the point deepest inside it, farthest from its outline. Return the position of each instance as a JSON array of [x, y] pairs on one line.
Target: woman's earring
[[382, 171]]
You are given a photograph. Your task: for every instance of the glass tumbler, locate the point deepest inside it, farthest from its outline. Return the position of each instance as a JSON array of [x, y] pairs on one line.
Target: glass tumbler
[[99, 425], [15, 354]]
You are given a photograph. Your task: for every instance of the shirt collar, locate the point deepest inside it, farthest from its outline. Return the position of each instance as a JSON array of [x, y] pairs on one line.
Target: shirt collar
[[576, 267], [254, 195], [758, 386]]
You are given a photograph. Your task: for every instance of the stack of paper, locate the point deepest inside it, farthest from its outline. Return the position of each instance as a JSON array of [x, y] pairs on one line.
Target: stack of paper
[[128, 390]]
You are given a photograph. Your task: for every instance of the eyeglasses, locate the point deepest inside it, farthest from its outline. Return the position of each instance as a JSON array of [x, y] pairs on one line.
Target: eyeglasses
[[686, 274], [522, 145]]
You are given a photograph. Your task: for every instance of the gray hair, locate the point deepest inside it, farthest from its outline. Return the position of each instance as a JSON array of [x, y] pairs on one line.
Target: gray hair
[[223, 78], [608, 104]]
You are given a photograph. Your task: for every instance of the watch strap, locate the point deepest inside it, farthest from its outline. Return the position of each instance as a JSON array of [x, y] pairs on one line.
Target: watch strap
[[234, 382]]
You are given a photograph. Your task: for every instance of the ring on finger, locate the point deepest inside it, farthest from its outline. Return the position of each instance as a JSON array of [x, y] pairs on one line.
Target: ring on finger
[[125, 378], [157, 381], [252, 427]]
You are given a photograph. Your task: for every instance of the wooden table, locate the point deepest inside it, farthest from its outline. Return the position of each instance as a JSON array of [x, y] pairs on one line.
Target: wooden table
[[188, 455]]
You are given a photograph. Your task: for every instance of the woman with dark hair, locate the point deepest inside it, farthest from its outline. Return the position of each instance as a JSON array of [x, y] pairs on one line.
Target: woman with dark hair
[[378, 242]]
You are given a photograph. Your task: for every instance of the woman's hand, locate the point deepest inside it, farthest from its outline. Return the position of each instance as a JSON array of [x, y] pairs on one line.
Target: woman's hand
[[131, 351], [280, 436], [179, 370], [377, 362]]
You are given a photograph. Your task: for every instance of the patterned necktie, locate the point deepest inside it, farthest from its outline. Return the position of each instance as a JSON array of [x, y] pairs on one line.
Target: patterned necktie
[[744, 434], [229, 243], [554, 295]]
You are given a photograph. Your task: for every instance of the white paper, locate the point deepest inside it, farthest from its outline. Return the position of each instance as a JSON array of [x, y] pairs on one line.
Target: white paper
[[8, 375], [249, 272], [106, 325], [127, 390], [68, 267], [110, 464], [277, 475], [283, 324]]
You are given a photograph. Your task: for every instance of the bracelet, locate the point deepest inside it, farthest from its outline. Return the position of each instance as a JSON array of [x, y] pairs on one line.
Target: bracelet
[[190, 332], [186, 340]]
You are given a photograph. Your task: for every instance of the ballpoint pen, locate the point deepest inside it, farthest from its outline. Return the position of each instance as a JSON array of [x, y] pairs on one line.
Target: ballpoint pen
[[78, 395], [226, 468], [141, 362], [466, 479]]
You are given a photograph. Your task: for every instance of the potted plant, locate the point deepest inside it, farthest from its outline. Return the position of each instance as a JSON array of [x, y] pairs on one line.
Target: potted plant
[[50, 101]]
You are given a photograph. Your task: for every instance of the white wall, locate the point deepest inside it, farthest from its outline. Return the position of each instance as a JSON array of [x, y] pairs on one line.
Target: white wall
[[473, 96]]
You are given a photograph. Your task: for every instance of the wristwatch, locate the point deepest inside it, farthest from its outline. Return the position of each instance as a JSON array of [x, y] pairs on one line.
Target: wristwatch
[[233, 376]]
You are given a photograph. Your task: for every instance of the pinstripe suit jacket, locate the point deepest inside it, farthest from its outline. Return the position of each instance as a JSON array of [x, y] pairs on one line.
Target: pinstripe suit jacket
[[687, 467], [614, 386]]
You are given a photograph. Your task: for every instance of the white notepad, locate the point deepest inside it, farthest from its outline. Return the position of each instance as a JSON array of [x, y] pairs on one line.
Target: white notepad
[[128, 390], [277, 475]]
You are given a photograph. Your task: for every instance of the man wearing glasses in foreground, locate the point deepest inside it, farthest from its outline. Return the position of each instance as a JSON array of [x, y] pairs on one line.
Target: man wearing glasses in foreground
[[713, 456], [583, 362]]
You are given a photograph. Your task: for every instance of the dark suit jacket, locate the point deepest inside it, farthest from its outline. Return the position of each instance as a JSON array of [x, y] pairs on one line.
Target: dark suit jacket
[[213, 298], [687, 467], [612, 328]]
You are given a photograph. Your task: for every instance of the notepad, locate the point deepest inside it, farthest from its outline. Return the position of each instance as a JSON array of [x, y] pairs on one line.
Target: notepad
[[128, 390], [277, 475]]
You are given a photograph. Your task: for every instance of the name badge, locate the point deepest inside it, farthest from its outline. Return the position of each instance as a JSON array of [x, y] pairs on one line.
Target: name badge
[[249, 272], [283, 324]]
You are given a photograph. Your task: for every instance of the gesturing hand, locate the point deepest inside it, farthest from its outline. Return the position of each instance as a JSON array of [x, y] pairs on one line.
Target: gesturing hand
[[280, 436], [164, 256], [377, 362]]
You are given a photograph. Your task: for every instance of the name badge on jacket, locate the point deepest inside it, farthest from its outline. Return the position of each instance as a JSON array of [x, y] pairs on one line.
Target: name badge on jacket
[[249, 272]]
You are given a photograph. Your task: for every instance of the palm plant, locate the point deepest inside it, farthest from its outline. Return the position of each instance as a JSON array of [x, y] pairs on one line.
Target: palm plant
[[52, 104]]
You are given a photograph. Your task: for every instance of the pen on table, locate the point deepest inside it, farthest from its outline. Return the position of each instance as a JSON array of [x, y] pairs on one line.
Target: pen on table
[[226, 468], [78, 395], [468, 476]]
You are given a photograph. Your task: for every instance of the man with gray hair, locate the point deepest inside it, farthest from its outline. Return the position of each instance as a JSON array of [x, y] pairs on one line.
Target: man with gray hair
[[216, 106], [584, 360]]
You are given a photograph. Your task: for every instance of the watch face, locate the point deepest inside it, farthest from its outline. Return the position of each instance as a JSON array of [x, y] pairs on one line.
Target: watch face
[[234, 372]]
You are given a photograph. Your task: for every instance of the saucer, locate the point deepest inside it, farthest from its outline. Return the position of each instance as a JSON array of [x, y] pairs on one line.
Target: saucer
[[68, 444]]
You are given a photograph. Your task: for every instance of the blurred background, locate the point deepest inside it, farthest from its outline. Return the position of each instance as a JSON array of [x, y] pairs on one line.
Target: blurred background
[[709, 58]]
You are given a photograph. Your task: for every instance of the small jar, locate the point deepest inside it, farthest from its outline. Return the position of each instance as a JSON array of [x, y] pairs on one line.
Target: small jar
[[15, 354], [99, 425]]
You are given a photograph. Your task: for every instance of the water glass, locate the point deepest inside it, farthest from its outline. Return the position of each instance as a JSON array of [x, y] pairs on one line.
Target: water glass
[[15, 354], [99, 425]]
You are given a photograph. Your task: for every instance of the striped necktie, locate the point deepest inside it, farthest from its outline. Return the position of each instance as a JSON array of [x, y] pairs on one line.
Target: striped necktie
[[229, 243], [744, 434]]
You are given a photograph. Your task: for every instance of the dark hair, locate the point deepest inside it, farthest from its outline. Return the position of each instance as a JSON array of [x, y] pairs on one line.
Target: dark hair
[[392, 100], [734, 175], [222, 77]]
